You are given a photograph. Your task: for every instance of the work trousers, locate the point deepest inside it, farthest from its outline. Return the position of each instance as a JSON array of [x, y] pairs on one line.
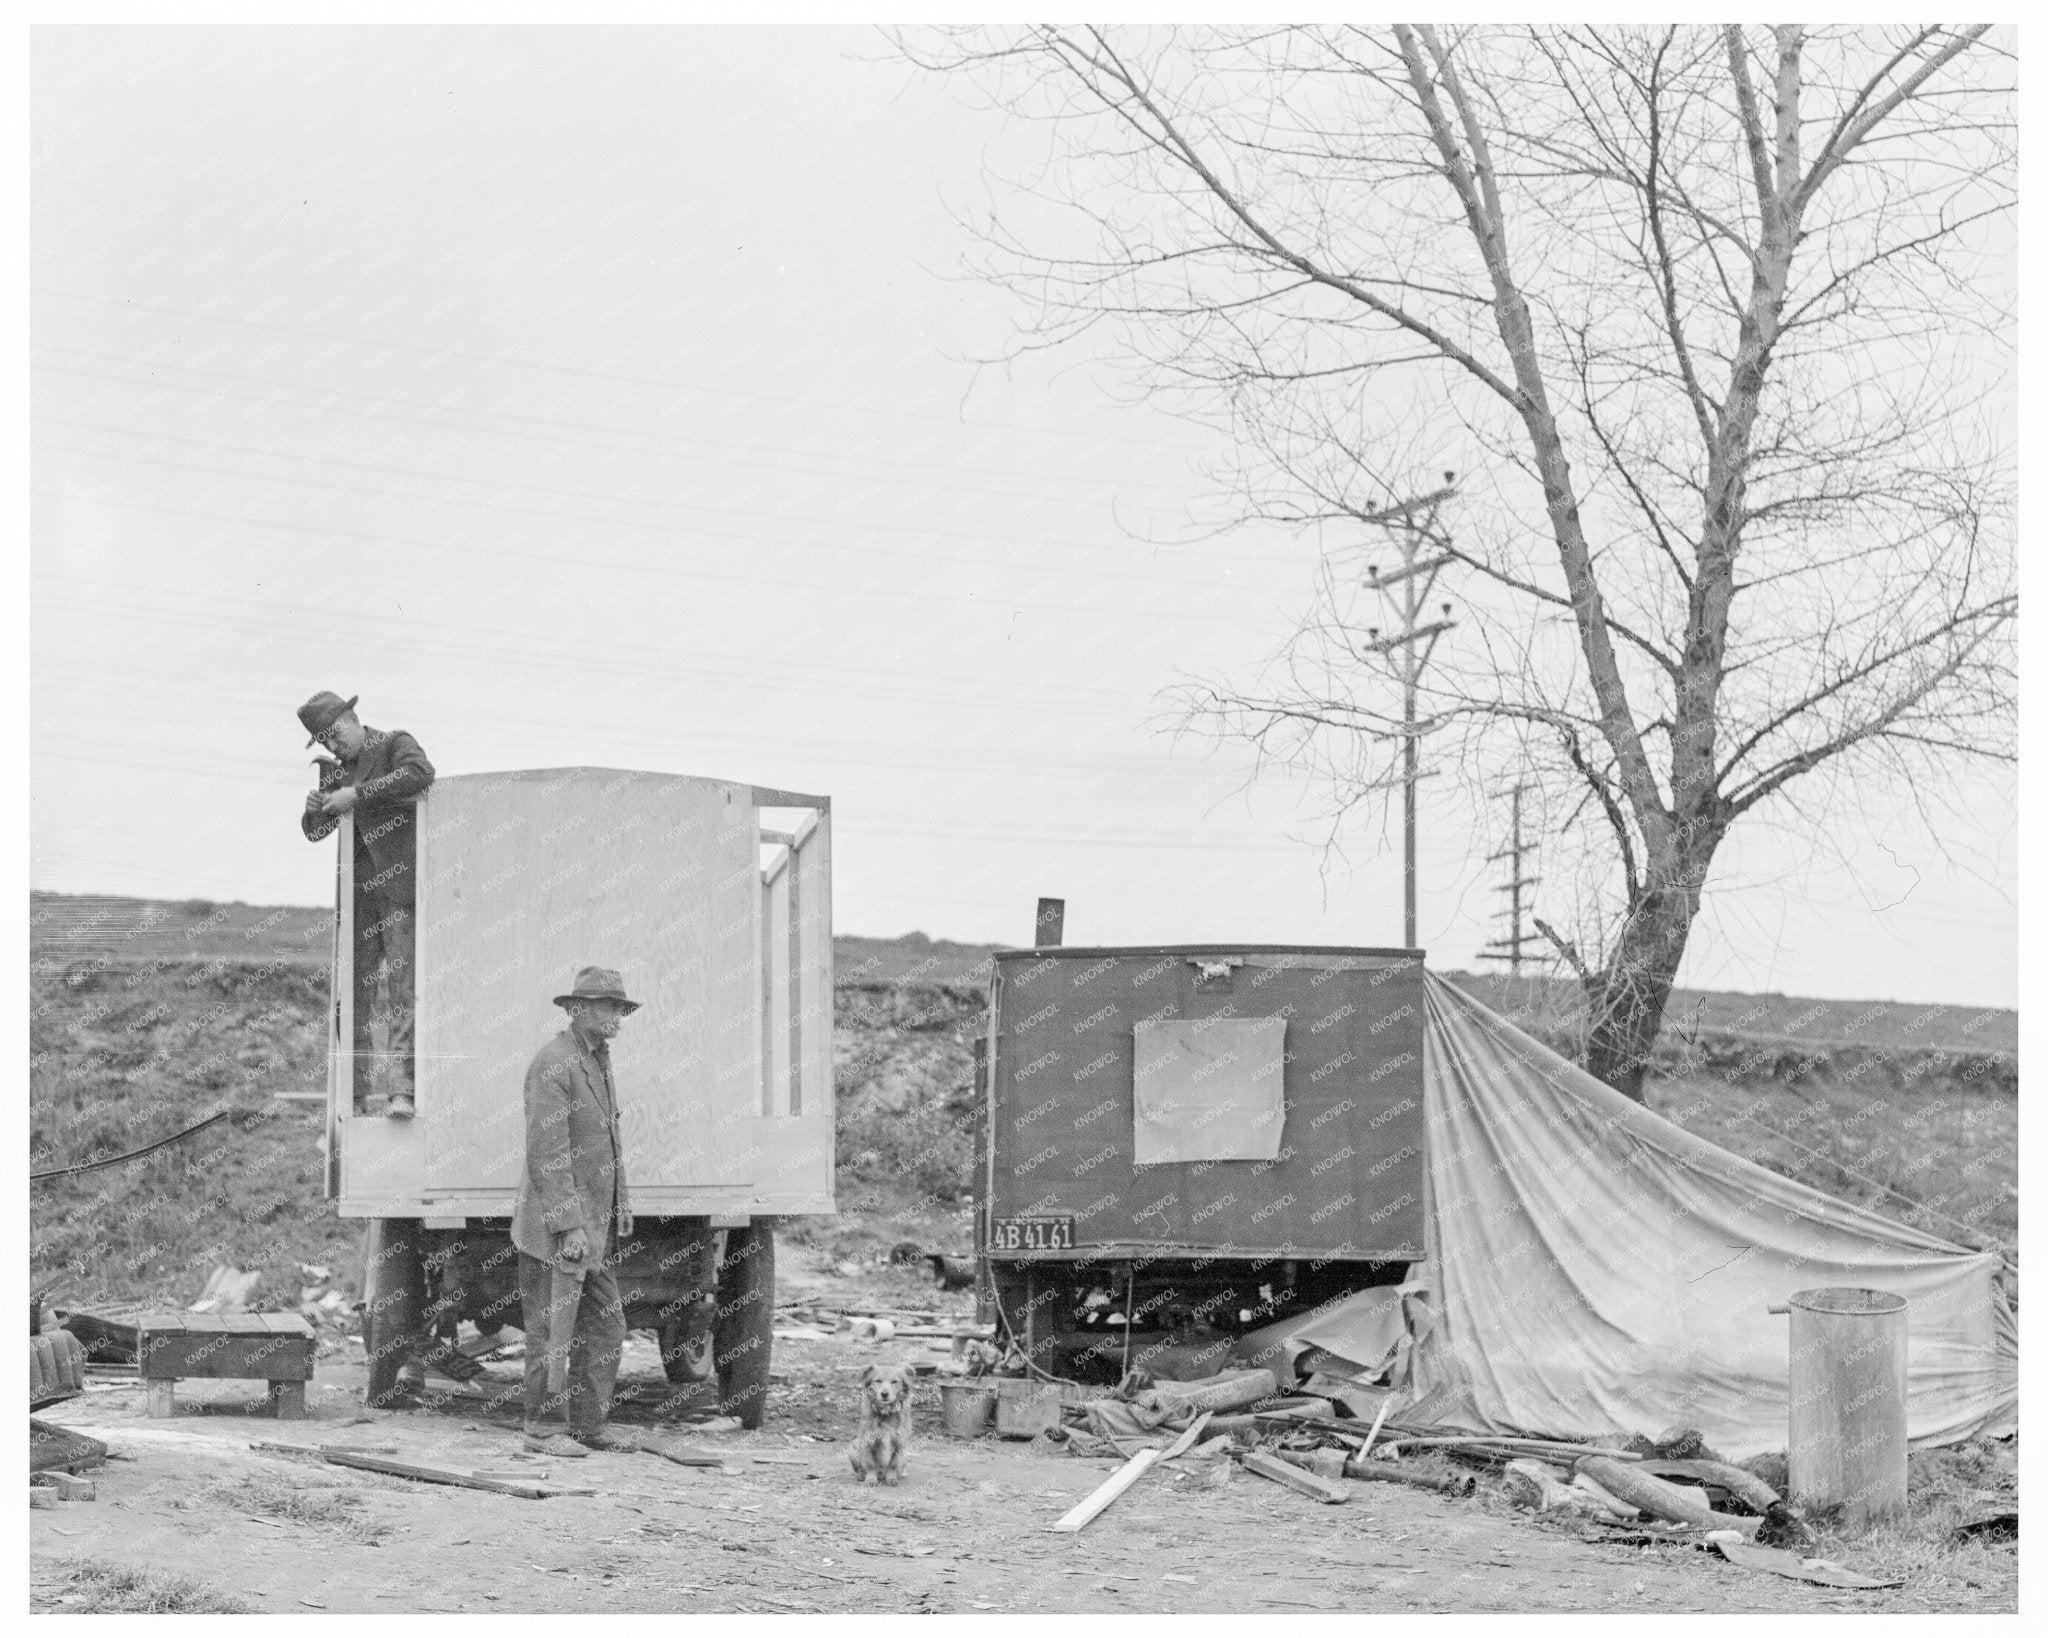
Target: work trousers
[[384, 941], [597, 1339]]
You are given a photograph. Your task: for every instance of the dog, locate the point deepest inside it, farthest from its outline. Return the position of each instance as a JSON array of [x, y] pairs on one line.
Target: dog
[[884, 1433]]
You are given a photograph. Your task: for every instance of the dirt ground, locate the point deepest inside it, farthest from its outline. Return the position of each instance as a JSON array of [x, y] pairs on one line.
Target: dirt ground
[[783, 1527]]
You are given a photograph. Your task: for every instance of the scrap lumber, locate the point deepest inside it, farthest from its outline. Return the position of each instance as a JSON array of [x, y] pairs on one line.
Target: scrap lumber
[[1538, 1448], [1309, 1484], [282, 1447], [1541, 1489], [1115, 1485], [1187, 1439], [689, 1455], [1820, 1572], [51, 1447], [1631, 1485], [1221, 1393], [1452, 1484], [107, 1340], [1299, 1408], [1378, 1422], [1739, 1482], [1615, 1504], [73, 1489], [449, 1475]]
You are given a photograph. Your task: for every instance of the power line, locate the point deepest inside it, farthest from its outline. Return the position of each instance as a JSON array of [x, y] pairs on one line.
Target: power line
[[1040, 567], [610, 658], [439, 415], [606, 375], [584, 565]]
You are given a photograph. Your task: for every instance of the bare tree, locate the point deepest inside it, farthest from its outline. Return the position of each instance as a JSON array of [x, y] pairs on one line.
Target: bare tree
[[1726, 314]]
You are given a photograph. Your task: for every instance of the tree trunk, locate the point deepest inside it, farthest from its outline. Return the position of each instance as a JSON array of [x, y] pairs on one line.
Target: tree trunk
[[1627, 997]]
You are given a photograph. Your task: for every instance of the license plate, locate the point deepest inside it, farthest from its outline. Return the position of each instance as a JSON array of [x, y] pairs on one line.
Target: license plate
[[1031, 1234]]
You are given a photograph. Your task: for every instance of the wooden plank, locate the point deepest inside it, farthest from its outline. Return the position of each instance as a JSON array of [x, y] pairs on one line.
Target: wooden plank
[[1295, 1478], [777, 1001], [1378, 1422], [226, 1355], [1186, 1440], [766, 796], [1115, 1485], [1529, 1447], [813, 999], [337, 1090], [349, 1074], [795, 954], [448, 1475], [51, 1447]]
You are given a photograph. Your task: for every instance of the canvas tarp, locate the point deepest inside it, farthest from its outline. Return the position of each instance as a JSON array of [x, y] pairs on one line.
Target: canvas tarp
[[1596, 1268]]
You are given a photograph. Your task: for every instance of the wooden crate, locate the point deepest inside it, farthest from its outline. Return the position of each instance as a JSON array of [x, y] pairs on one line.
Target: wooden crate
[[274, 1348]]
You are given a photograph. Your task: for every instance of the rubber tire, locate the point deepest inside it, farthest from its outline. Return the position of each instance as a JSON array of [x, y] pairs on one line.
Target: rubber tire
[[744, 1333], [394, 1299], [679, 1363]]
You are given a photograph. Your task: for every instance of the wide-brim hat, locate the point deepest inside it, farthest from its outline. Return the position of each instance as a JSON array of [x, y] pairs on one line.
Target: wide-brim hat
[[321, 712], [598, 984]]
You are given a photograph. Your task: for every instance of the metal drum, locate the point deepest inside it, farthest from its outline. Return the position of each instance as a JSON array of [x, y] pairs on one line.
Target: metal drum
[[1847, 1440]]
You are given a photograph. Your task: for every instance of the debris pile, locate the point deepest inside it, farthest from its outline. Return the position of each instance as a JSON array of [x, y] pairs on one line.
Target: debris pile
[[1631, 1489], [333, 1313]]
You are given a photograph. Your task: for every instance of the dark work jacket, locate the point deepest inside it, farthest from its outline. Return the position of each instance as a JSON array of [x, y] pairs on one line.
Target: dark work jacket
[[389, 773], [575, 1175]]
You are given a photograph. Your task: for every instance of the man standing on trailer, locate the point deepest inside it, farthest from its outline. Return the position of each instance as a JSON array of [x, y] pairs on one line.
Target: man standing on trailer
[[377, 775], [571, 1214]]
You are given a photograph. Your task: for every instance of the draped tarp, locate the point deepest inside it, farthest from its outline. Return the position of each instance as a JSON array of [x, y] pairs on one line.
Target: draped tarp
[[1597, 1269]]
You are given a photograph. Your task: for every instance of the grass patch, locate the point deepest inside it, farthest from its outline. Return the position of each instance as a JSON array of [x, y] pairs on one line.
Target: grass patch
[[92, 1586], [323, 1505]]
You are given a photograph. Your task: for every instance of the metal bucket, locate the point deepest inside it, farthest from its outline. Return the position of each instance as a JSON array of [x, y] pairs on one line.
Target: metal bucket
[[1846, 1445], [969, 1408], [1025, 1409]]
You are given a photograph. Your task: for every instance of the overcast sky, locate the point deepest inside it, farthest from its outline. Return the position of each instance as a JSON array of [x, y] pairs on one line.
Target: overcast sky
[[595, 396]]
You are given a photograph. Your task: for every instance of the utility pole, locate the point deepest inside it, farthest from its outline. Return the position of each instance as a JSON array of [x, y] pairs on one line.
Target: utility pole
[[1509, 949], [1413, 527]]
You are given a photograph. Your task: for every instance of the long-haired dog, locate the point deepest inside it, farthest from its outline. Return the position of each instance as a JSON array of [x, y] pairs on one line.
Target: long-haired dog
[[884, 1432]]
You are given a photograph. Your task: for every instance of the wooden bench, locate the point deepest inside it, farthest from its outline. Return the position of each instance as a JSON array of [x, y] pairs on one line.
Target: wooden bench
[[276, 1348]]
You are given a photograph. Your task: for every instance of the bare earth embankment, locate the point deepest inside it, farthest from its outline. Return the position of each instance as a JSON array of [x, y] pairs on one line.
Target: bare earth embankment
[[146, 1018]]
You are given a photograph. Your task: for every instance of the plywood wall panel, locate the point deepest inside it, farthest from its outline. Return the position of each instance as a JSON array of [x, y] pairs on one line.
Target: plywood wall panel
[[527, 877]]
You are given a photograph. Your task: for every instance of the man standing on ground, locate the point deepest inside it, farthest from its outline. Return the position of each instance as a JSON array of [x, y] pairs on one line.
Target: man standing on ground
[[571, 1214], [377, 776]]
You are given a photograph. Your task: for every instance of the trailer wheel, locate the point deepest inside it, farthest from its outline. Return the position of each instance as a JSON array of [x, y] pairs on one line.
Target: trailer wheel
[[745, 1330], [394, 1298]]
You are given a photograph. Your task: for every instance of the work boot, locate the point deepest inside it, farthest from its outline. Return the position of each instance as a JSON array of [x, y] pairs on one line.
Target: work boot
[[552, 1444], [603, 1439], [400, 1106]]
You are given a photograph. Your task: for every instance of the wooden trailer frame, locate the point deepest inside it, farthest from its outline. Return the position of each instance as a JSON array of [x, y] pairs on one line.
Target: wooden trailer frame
[[792, 938], [725, 1077]]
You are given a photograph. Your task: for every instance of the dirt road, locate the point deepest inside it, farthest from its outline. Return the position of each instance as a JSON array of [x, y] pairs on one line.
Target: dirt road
[[784, 1528]]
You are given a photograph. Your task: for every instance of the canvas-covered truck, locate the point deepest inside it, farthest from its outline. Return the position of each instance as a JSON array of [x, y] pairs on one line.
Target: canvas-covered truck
[[713, 899], [1182, 1144]]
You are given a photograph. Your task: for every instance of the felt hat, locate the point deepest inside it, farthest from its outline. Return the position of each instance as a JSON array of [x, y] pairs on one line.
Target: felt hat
[[321, 712], [598, 984]]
